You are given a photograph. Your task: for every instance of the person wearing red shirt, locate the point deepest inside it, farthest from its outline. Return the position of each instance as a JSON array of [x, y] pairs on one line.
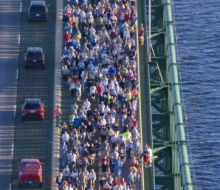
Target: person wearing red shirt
[[123, 182], [113, 34], [67, 36], [126, 16], [105, 165], [115, 182], [134, 123], [105, 160], [100, 90]]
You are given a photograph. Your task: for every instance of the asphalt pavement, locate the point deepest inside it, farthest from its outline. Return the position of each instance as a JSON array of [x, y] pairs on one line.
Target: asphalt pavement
[[9, 52]]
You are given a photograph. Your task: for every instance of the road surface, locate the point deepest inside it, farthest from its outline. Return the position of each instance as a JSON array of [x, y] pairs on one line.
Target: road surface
[[9, 52]]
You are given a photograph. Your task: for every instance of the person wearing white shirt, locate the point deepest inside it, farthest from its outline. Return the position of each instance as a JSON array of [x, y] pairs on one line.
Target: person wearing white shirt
[[104, 55], [114, 19], [132, 41], [86, 145], [66, 137], [92, 178], [66, 172], [115, 6], [87, 104], [111, 119], [104, 81], [101, 108], [104, 71], [85, 3], [106, 110], [90, 19], [105, 18], [69, 187], [111, 85], [103, 121], [72, 89], [73, 158], [120, 92], [96, 47], [78, 91], [75, 173], [150, 155], [92, 92], [125, 25], [95, 70], [82, 16], [91, 31]]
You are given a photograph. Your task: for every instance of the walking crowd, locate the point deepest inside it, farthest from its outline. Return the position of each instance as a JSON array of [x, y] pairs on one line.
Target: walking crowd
[[99, 61]]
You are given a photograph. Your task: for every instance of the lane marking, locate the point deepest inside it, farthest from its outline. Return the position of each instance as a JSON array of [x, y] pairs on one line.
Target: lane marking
[[20, 6], [12, 149], [17, 74], [19, 37], [14, 110], [10, 186]]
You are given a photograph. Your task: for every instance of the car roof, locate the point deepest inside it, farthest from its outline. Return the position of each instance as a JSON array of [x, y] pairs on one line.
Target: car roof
[[41, 3], [30, 160], [34, 49], [32, 101]]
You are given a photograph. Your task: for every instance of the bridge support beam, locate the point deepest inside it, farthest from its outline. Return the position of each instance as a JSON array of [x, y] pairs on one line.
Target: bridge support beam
[[169, 144]]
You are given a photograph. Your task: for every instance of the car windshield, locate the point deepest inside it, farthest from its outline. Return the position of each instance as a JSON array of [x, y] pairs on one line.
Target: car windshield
[[30, 165], [34, 55], [32, 106], [39, 9]]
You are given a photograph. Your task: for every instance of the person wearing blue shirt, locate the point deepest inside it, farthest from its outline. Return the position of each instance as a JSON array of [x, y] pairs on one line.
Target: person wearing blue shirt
[[75, 2], [77, 45], [112, 71], [105, 50], [95, 63], [122, 99], [77, 122], [64, 51], [93, 39]]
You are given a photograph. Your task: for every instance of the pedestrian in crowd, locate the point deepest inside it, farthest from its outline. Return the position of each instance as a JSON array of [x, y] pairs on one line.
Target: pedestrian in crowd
[[58, 116]]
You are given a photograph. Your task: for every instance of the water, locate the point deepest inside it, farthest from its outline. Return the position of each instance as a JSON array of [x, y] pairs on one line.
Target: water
[[198, 31]]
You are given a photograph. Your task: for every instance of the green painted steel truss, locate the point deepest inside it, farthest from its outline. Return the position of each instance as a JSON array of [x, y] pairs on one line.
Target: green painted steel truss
[[166, 143]]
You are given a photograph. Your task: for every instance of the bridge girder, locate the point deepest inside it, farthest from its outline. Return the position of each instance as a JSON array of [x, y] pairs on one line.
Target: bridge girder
[[166, 142]]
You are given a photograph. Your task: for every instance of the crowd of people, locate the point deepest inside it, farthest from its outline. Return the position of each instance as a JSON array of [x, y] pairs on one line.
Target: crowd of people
[[99, 66]]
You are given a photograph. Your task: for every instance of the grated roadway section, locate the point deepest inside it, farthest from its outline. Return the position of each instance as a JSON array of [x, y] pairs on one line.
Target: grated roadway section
[[33, 139]]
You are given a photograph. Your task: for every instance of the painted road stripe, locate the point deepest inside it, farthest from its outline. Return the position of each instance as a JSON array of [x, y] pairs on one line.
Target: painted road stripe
[[20, 6], [14, 110], [12, 149], [19, 37], [17, 74]]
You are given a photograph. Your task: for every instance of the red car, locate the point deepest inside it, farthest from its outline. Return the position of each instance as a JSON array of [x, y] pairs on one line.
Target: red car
[[30, 172], [32, 109], [34, 57]]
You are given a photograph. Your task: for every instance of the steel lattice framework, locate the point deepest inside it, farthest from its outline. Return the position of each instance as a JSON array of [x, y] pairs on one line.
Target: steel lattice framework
[[171, 165]]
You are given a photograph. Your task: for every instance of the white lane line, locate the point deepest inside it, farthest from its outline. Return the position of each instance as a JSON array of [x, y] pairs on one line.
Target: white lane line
[[19, 38], [17, 74], [20, 6], [12, 149], [10, 186], [14, 110]]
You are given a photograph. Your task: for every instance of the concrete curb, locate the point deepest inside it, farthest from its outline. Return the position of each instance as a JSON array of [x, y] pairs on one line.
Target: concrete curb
[[57, 93]]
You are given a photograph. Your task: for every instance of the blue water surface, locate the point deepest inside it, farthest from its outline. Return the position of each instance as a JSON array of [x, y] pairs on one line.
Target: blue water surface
[[198, 29]]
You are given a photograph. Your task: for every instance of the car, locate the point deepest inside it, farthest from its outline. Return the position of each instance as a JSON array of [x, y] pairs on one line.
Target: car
[[30, 172], [38, 10], [32, 108], [34, 57]]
